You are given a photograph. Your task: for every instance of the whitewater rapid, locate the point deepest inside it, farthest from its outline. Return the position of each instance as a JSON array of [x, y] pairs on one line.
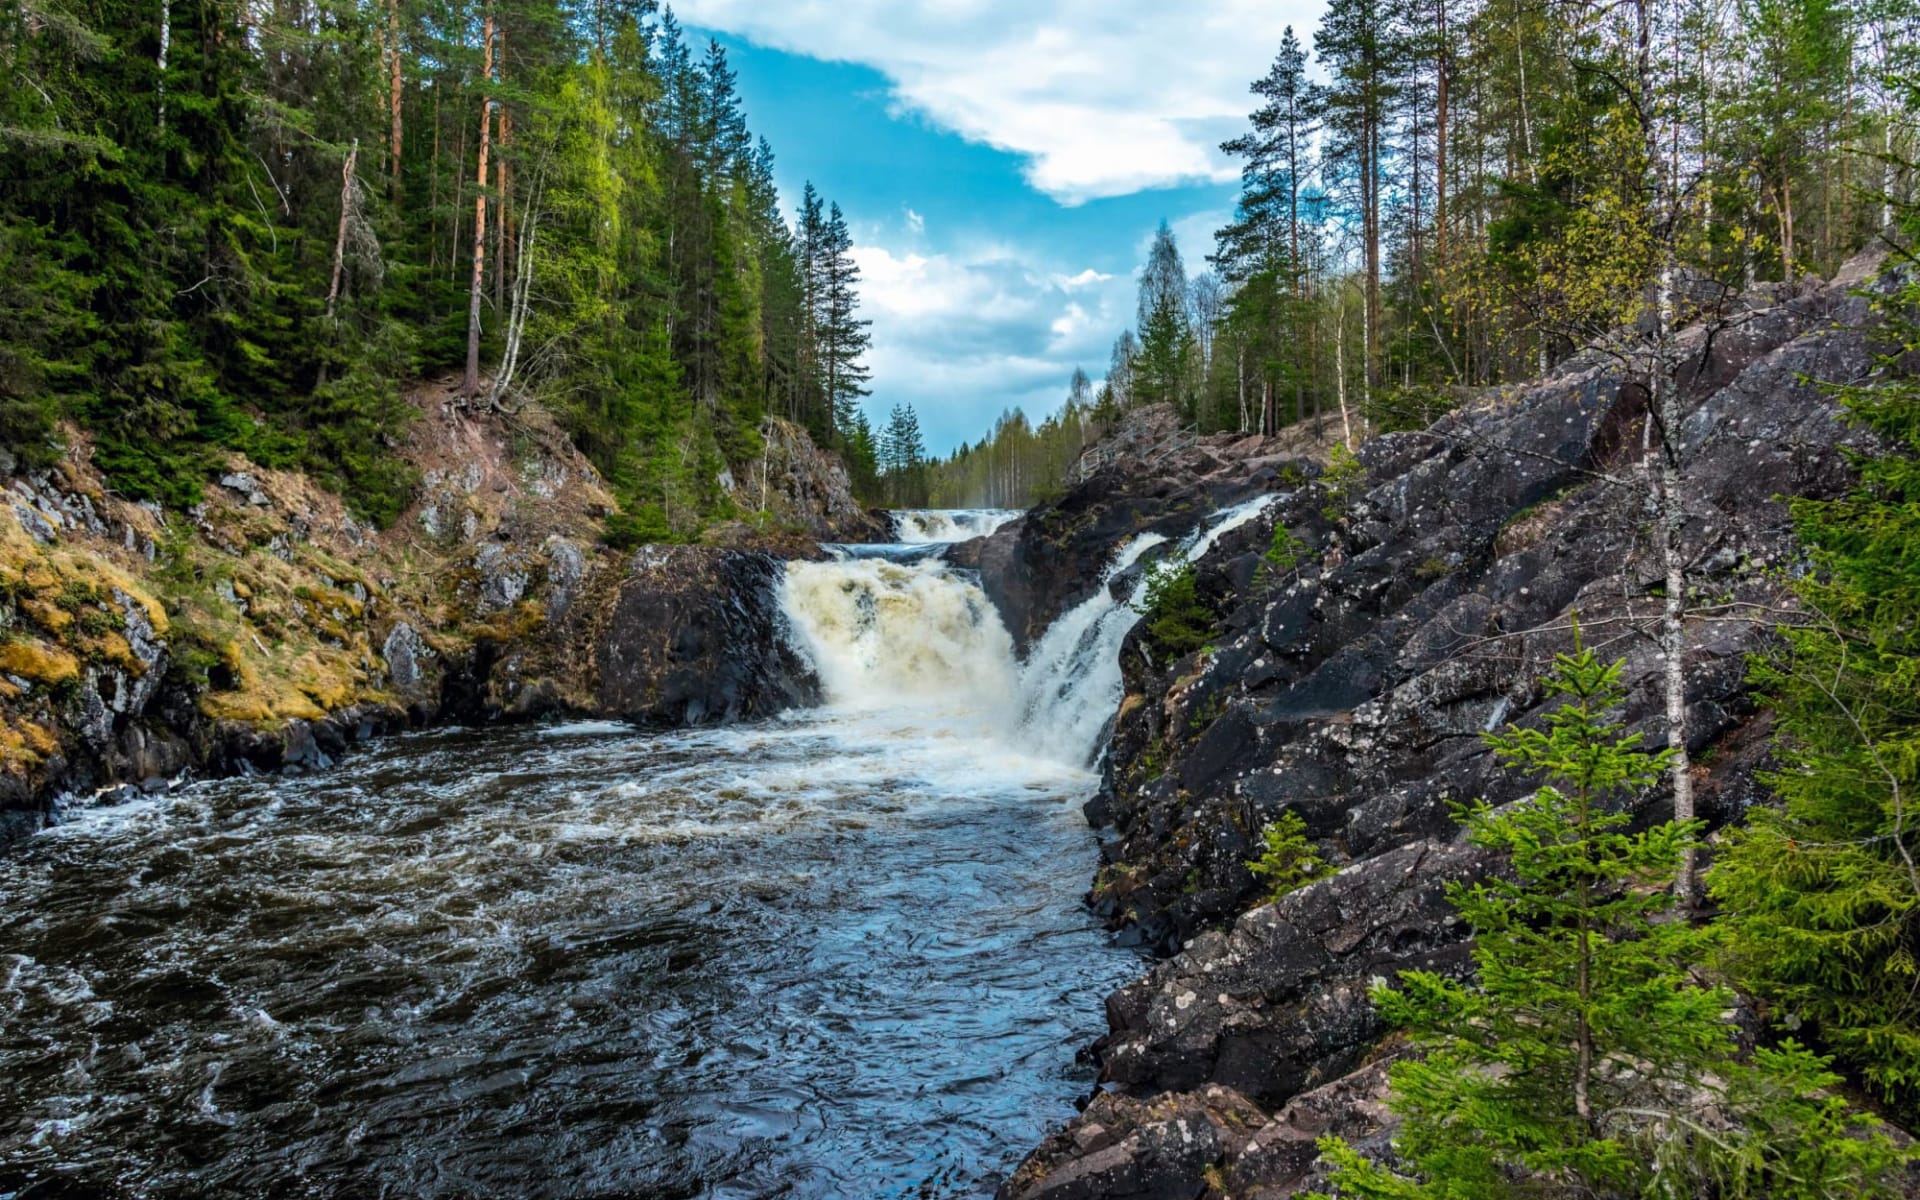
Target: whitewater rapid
[[934, 526], [839, 953], [910, 634]]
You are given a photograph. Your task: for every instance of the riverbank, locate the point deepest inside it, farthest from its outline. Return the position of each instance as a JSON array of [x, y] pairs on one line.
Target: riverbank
[[267, 629], [1409, 604]]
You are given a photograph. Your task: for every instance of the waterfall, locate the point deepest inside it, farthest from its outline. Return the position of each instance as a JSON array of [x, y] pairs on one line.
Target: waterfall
[[920, 526], [1071, 687], [897, 630], [882, 634]]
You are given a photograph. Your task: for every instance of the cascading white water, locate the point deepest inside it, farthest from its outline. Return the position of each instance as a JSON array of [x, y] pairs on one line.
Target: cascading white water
[[881, 634], [920, 526], [1072, 678], [1071, 685], [889, 636]]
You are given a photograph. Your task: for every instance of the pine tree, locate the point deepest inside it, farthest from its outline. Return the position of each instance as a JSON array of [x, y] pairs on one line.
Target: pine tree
[[1585, 1059], [1263, 252], [1356, 42]]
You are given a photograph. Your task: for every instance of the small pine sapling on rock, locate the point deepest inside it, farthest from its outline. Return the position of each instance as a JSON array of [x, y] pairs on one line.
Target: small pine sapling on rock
[[1586, 1059]]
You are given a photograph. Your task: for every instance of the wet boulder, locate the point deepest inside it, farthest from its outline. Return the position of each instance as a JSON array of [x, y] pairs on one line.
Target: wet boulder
[[1279, 1003]]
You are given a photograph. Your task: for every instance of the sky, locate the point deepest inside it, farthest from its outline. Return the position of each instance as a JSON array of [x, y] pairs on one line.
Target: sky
[[1003, 167]]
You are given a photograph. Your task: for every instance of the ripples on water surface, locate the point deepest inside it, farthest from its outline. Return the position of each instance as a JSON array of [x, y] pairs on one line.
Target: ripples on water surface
[[838, 955]]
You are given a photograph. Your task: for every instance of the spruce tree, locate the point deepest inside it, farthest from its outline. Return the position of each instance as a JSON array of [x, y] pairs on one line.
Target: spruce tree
[[1585, 1059], [1166, 328], [1821, 894], [843, 337]]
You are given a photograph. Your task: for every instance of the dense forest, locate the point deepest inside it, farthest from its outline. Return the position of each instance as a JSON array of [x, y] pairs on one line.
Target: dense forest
[[250, 227], [1479, 188]]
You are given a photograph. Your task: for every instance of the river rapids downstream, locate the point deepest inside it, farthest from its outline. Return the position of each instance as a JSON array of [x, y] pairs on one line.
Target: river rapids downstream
[[836, 954]]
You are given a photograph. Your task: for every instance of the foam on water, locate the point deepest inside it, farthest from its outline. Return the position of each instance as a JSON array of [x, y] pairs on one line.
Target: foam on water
[[919, 526], [839, 953], [887, 634], [882, 634]]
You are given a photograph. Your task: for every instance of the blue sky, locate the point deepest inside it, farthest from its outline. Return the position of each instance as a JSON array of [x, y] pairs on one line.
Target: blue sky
[[1002, 167]]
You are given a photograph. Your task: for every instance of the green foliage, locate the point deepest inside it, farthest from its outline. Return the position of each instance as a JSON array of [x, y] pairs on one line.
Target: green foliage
[[1286, 551], [215, 248], [1821, 895], [1162, 367], [628, 530], [1018, 463], [1178, 622], [1586, 1059], [1409, 407], [1341, 482], [901, 456], [1287, 859]]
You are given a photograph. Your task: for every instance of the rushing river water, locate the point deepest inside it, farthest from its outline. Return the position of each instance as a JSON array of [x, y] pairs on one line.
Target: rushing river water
[[837, 954]]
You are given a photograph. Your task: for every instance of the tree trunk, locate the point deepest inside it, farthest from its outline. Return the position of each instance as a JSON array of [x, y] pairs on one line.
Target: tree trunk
[[1441, 70], [1370, 305], [340, 237], [1526, 119], [166, 42], [433, 185], [1340, 373], [1663, 402], [1240, 370], [502, 234], [1786, 228], [470, 386], [522, 284], [393, 99], [453, 204], [1583, 1036]]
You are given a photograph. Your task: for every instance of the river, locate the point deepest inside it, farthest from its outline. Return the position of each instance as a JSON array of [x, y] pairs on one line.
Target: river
[[836, 954]]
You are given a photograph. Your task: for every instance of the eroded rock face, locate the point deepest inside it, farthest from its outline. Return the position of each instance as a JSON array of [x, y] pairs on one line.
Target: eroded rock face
[[267, 628], [1154, 480], [1353, 685], [694, 637], [1278, 1003], [807, 487]]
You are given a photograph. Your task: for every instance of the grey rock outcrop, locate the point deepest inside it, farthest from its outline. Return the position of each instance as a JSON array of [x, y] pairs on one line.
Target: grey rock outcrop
[[694, 637], [1352, 686]]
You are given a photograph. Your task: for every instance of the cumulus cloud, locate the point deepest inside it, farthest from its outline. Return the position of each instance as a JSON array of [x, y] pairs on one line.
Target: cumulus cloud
[[1101, 97], [963, 334]]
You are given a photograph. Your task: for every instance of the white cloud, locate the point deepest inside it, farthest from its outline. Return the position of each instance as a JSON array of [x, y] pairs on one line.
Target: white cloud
[[962, 335], [1075, 320], [1102, 97], [915, 222], [1085, 279]]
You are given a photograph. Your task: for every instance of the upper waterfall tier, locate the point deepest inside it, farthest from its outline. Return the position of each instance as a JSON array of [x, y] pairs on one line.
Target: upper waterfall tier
[[919, 526]]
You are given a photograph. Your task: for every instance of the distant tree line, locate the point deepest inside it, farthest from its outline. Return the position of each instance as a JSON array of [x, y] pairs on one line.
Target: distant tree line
[[245, 227], [1019, 464], [1476, 191]]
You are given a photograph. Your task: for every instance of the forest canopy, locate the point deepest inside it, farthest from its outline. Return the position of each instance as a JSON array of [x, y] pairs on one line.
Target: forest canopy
[[231, 227]]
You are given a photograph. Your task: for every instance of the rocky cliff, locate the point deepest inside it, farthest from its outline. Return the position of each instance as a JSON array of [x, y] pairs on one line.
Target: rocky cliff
[[1407, 608], [267, 629]]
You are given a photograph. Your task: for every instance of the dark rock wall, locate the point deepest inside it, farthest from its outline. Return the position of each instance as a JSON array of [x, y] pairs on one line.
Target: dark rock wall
[[1354, 689]]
